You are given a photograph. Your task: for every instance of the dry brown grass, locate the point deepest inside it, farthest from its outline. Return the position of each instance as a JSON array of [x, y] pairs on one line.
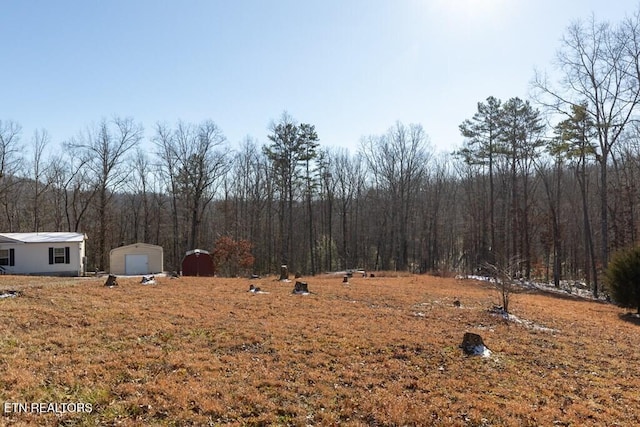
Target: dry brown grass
[[381, 351]]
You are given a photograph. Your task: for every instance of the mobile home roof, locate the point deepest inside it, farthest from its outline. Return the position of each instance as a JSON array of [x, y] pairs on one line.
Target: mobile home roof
[[50, 237]]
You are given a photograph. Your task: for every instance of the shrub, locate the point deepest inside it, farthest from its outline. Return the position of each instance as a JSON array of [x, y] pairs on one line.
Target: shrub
[[231, 256], [503, 274], [623, 278]]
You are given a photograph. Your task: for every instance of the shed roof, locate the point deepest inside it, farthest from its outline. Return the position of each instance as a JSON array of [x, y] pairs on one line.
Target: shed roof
[[42, 237], [197, 251], [137, 245]]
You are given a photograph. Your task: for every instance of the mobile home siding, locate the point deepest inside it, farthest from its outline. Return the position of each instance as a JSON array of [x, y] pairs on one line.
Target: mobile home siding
[[33, 258]]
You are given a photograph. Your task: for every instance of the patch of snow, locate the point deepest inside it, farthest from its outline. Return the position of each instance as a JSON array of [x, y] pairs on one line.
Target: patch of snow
[[485, 352], [481, 350], [499, 311], [9, 294], [480, 278], [570, 287]]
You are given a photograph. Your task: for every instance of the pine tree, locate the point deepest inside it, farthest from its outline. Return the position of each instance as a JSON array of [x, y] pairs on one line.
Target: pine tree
[[293, 146], [574, 143], [481, 147]]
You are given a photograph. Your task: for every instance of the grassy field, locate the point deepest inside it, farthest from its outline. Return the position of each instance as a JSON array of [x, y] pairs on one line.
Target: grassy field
[[380, 351]]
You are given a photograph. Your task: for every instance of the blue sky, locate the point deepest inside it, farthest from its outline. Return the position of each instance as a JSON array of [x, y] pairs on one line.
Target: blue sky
[[350, 67]]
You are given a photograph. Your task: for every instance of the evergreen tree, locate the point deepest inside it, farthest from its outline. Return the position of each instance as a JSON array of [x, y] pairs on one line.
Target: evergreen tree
[[623, 278], [574, 142], [482, 147], [292, 146], [521, 130]]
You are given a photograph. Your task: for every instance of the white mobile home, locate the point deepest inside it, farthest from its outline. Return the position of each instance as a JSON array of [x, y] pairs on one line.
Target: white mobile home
[[51, 253]]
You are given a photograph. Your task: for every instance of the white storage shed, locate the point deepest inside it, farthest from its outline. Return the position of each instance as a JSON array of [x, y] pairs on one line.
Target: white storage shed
[[136, 259]]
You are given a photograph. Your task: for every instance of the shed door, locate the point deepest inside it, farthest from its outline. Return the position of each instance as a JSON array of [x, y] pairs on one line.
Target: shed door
[[136, 264]]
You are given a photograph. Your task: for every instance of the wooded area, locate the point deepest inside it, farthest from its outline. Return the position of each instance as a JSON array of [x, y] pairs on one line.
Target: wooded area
[[547, 185]]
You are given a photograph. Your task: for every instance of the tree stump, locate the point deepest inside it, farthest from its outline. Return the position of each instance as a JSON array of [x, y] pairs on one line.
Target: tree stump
[[345, 279], [9, 293], [148, 280], [112, 281], [284, 272], [301, 288], [472, 344]]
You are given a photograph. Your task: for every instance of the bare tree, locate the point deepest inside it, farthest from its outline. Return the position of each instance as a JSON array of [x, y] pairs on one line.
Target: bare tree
[[551, 179], [437, 214], [137, 192], [71, 189], [326, 163], [167, 153], [251, 193], [194, 160], [40, 141], [502, 275], [398, 160], [203, 161], [10, 164], [10, 148], [106, 148], [626, 192], [599, 68], [347, 173]]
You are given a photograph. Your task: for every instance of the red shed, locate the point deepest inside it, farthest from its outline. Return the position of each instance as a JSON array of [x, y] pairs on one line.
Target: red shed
[[197, 262]]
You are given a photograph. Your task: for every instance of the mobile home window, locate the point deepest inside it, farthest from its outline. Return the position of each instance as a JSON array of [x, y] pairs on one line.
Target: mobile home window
[[4, 256], [7, 257], [59, 255]]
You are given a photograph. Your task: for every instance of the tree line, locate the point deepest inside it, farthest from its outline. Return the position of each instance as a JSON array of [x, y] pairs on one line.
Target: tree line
[[546, 185]]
